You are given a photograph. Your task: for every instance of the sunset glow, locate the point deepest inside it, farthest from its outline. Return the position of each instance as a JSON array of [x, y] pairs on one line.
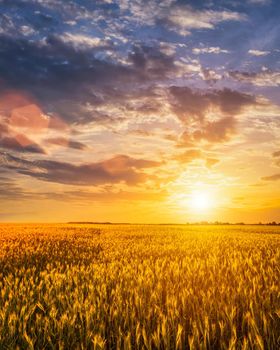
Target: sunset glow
[[200, 201], [139, 174], [115, 111]]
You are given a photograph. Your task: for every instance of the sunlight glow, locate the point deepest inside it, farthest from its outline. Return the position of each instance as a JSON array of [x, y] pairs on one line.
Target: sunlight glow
[[200, 201]]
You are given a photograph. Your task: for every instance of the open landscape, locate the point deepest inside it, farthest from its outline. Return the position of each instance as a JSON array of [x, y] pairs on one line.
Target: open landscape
[[139, 175], [71, 286]]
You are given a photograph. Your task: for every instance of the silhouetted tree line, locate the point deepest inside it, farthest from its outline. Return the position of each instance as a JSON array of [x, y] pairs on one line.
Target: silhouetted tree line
[[272, 223]]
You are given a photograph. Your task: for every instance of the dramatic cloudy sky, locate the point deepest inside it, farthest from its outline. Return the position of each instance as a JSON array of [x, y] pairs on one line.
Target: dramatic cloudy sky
[[120, 110]]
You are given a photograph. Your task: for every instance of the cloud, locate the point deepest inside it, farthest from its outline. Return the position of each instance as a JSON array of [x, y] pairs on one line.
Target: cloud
[[191, 104], [274, 177], [64, 142], [180, 18], [211, 162], [105, 196], [258, 53], [210, 76], [276, 154], [17, 141], [23, 122], [18, 144], [72, 83], [83, 42], [216, 131], [6, 23], [259, 2], [118, 169], [186, 18], [263, 78], [9, 190], [144, 13], [194, 154], [212, 49], [29, 116], [68, 70], [188, 156], [10, 26], [151, 61], [196, 109]]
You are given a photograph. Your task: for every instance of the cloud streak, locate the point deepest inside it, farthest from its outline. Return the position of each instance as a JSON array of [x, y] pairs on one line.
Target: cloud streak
[[118, 169], [214, 50], [186, 18], [263, 78], [274, 177]]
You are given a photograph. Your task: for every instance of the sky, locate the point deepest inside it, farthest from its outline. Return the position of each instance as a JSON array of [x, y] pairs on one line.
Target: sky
[[140, 111]]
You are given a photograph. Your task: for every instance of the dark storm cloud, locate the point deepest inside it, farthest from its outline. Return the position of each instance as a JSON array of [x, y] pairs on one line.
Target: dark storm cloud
[[118, 169]]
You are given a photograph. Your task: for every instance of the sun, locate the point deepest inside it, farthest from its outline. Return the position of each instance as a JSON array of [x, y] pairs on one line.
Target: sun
[[199, 201], [202, 199]]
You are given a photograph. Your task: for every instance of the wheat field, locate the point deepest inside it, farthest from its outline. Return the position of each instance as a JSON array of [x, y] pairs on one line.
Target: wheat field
[[139, 287]]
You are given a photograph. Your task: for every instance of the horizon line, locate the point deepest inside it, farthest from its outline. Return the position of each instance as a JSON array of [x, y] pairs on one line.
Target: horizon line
[[200, 223]]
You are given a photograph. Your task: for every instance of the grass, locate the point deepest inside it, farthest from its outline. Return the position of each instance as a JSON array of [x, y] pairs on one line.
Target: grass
[[139, 287]]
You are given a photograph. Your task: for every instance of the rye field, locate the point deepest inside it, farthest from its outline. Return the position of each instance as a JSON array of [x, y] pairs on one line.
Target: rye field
[[73, 286]]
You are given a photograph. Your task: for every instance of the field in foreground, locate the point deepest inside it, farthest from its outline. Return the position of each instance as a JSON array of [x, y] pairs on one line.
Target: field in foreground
[[139, 287]]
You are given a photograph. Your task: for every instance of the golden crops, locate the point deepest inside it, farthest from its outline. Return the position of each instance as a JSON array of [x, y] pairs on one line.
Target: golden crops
[[139, 287]]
